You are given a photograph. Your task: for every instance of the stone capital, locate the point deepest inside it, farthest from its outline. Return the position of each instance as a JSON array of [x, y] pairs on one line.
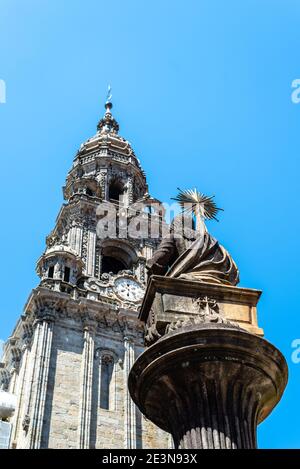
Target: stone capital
[[89, 324], [128, 338], [46, 315]]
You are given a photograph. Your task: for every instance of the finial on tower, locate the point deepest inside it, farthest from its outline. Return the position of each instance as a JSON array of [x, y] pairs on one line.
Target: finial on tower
[[108, 124], [108, 104]]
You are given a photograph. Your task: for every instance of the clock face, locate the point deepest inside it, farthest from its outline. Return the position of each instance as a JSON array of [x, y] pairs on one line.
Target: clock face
[[128, 289]]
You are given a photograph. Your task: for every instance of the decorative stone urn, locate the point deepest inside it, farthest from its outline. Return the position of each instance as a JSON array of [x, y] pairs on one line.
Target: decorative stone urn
[[204, 378]]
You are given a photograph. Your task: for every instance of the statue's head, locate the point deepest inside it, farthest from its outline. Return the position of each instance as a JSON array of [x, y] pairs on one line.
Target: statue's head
[[183, 226]]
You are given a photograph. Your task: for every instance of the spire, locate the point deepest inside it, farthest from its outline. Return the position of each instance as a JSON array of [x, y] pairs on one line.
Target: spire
[[108, 124]]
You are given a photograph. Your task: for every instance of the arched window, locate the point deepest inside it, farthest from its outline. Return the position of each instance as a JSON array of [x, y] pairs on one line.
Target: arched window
[[106, 389], [67, 272], [116, 190], [51, 271], [116, 256], [111, 264], [89, 192]]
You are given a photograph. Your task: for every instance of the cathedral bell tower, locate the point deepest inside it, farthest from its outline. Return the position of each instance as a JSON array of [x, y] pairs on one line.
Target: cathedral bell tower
[[68, 359]]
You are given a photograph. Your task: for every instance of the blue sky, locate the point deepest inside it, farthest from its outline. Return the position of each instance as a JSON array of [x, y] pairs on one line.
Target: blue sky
[[202, 90]]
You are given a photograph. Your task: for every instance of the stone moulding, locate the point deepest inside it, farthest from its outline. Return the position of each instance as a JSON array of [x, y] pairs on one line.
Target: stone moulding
[[108, 316]]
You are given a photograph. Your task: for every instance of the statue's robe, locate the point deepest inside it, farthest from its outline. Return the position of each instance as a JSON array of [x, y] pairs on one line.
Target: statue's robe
[[201, 258]]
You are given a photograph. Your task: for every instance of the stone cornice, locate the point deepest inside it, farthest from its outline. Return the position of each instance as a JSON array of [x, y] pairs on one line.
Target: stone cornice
[[172, 303], [163, 284], [63, 306]]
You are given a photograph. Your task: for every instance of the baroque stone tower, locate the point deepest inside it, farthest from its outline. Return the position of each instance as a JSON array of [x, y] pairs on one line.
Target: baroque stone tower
[[68, 359]]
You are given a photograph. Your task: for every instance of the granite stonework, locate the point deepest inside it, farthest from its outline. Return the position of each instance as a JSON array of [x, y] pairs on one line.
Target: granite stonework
[[59, 373], [207, 376]]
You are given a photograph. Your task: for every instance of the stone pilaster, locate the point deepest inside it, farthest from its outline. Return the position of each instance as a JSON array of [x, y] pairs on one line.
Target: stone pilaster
[[91, 250], [4, 377], [129, 406], [76, 235], [41, 352], [141, 270], [20, 392], [100, 255], [14, 371], [103, 184], [87, 367], [130, 190]]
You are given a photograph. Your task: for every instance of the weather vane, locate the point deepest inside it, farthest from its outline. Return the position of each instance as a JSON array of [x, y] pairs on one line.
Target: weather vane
[[109, 94]]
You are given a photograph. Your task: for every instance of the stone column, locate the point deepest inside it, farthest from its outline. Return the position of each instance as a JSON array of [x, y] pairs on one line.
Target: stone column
[[41, 353], [14, 371], [21, 389], [76, 235], [102, 178], [91, 250], [141, 270], [87, 367], [129, 406], [4, 377], [130, 184], [204, 379], [209, 387], [100, 255]]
